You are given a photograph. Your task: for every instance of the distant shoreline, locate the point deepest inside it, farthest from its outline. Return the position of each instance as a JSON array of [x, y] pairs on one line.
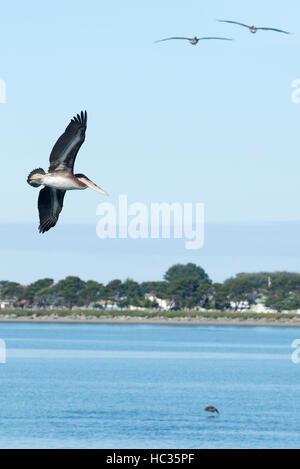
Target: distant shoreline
[[160, 320]]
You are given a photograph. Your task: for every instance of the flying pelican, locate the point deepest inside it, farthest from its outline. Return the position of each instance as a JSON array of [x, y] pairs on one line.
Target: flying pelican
[[194, 40], [253, 29], [60, 177], [211, 408]]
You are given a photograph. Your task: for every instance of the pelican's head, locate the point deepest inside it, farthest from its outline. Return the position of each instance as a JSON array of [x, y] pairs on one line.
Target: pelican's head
[[85, 180], [35, 178]]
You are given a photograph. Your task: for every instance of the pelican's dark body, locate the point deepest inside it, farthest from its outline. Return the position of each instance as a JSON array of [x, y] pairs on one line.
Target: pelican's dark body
[[62, 180], [211, 408], [60, 177]]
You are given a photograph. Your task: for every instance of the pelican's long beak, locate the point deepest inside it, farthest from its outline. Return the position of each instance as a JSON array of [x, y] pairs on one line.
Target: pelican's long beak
[[93, 186]]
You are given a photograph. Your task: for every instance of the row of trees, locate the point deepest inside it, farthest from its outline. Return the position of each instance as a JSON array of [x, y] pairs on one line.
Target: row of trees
[[185, 286]]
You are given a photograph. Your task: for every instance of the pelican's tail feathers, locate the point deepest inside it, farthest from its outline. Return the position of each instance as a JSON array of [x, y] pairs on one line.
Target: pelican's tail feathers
[[33, 177]]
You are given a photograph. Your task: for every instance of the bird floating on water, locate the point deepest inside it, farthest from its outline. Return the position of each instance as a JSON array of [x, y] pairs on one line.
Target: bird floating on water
[[253, 29], [60, 177], [195, 40], [212, 409]]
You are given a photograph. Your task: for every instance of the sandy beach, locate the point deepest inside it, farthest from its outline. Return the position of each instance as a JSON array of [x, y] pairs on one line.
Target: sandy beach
[[120, 319]]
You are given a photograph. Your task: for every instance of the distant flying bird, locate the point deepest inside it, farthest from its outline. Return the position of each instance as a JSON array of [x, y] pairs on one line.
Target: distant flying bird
[[211, 408], [194, 40], [254, 29], [60, 177]]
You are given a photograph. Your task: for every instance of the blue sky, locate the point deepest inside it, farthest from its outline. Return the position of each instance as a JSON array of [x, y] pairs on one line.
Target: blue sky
[[167, 122]]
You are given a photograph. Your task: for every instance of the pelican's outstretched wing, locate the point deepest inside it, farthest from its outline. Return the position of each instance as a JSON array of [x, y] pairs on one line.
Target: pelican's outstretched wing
[[64, 152], [235, 22], [170, 38], [221, 38], [50, 204], [274, 29]]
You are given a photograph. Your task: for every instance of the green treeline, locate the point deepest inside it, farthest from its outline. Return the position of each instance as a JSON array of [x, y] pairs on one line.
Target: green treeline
[[184, 286]]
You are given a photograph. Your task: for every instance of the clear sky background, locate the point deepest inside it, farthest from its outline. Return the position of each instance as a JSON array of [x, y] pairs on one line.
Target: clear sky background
[[169, 122]]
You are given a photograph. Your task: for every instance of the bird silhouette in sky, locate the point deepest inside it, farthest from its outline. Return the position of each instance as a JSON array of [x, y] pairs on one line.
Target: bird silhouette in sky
[[253, 29], [195, 40]]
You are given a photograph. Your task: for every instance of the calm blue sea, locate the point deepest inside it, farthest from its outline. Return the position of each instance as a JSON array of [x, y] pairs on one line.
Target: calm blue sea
[[145, 386]]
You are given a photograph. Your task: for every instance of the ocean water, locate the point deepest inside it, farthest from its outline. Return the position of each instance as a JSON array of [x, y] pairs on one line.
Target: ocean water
[[146, 386]]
